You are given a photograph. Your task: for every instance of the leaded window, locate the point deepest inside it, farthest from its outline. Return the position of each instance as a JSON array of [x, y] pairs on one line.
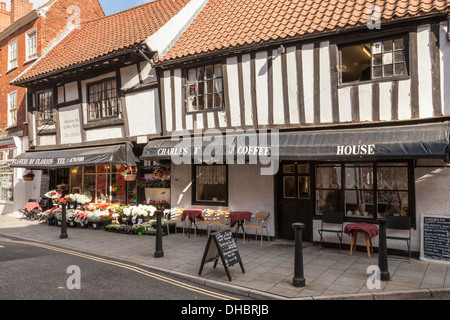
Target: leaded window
[[103, 100]]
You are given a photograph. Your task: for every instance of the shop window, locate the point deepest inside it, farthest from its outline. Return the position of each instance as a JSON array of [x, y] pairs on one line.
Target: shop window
[[368, 190], [103, 100], [328, 188], [204, 88], [374, 60], [45, 107], [211, 184], [6, 182], [102, 183]]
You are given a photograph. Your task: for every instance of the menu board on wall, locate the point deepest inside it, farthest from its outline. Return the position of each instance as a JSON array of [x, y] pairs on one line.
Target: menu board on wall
[[435, 238], [45, 184]]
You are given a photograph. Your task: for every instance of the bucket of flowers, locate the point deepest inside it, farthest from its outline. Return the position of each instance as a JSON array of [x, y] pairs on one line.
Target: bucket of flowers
[[95, 218], [81, 217], [28, 176], [70, 216], [130, 174]]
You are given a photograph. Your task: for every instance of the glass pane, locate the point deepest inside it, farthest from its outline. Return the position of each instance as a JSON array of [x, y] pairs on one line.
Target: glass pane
[[376, 48], [211, 183], [289, 168], [328, 200], [388, 70], [392, 203], [218, 99], [303, 168], [359, 203], [201, 104], [89, 185], [328, 177], [118, 188], [289, 187], [200, 74], [358, 177], [387, 45], [376, 59], [209, 71], [89, 169], [399, 56], [209, 101], [376, 72], [209, 86], [387, 58], [392, 178], [218, 85], [192, 73], [399, 69], [102, 188], [398, 44], [304, 190]]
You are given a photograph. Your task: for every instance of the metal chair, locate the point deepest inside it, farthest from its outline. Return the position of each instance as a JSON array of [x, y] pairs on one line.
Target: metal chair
[[208, 215], [332, 218], [400, 223], [174, 216], [221, 219], [260, 224]]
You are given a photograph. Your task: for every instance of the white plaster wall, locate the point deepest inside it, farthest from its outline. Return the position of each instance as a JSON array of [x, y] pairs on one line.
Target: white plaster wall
[[445, 69], [71, 91], [424, 72], [143, 112], [247, 190], [105, 133], [129, 76], [308, 81]]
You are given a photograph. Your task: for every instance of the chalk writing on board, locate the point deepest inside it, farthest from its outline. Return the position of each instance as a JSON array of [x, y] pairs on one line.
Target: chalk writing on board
[[436, 238]]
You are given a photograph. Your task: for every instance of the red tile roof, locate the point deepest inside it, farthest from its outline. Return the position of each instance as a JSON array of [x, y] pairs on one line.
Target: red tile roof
[[101, 37], [225, 24]]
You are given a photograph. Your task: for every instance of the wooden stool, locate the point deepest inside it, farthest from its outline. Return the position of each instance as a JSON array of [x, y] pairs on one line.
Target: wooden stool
[[368, 242]]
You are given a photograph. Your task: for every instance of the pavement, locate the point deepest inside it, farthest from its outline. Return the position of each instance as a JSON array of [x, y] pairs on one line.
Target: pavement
[[269, 269]]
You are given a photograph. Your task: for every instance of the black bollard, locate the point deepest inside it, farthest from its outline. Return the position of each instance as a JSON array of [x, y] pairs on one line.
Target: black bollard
[[299, 279], [382, 251], [64, 222], [159, 253]]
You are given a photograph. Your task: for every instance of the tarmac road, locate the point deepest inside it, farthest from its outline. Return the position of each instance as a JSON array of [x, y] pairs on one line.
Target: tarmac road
[[35, 271]]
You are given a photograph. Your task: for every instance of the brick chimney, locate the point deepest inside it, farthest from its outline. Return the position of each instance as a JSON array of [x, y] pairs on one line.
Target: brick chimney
[[19, 8], [5, 17]]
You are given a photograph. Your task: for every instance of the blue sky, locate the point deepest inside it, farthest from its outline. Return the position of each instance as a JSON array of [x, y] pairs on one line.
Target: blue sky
[[109, 6]]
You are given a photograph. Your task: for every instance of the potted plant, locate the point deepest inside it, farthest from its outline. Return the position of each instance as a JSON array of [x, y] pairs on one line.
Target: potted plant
[[28, 176], [130, 174]]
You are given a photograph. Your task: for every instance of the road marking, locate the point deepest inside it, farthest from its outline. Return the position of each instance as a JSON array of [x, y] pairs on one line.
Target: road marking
[[132, 268]]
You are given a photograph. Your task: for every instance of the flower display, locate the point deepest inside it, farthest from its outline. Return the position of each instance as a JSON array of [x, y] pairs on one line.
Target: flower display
[[160, 205], [29, 173], [152, 183], [61, 200], [161, 173], [54, 194], [78, 198], [129, 171], [139, 211]]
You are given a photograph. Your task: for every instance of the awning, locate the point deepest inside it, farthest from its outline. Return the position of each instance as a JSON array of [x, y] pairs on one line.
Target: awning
[[429, 140], [77, 157]]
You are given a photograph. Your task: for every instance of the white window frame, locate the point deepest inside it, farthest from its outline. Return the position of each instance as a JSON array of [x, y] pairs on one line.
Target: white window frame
[[12, 55], [12, 108], [31, 44]]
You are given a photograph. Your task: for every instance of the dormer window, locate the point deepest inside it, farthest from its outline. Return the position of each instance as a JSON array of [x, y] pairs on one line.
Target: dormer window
[[374, 60]]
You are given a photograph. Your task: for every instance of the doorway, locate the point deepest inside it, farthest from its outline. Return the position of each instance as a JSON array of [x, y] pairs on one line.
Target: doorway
[[295, 199]]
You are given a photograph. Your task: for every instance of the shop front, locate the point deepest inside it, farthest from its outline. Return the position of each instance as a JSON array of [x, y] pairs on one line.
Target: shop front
[[362, 173], [99, 172]]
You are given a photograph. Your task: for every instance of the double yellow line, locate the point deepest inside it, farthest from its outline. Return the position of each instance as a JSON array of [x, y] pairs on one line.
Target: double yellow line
[[129, 267]]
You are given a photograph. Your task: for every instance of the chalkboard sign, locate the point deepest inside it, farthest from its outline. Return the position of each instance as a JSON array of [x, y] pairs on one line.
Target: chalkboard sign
[[45, 184], [435, 238], [222, 245]]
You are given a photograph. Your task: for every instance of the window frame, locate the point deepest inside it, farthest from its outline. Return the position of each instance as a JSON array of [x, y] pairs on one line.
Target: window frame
[[186, 87], [371, 41], [10, 123], [28, 36], [194, 200], [52, 106], [375, 165], [101, 110], [13, 49]]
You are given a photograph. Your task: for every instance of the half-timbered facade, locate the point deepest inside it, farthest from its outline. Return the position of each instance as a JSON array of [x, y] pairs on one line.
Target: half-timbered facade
[[327, 76]]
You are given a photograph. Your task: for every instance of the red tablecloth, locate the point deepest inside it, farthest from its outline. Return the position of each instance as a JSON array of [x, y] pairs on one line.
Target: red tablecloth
[[371, 229], [192, 214], [236, 216], [31, 206]]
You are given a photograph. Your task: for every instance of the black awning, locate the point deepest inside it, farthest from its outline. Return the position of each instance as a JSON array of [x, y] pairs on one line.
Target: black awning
[[429, 140], [58, 159]]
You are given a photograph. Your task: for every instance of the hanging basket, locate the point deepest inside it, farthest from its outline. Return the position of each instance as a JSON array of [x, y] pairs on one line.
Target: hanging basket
[[130, 177], [28, 178]]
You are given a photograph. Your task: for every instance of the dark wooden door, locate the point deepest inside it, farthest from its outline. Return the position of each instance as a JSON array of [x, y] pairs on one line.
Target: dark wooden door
[[295, 201]]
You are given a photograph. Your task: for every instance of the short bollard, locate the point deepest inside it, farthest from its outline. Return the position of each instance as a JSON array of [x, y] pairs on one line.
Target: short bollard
[[299, 279], [382, 254], [159, 253], [64, 222]]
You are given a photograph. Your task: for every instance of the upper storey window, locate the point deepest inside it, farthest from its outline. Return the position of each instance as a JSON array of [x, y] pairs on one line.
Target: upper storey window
[[204, 88], [31, 44], [103, 99], [12, 55], [374, 60]]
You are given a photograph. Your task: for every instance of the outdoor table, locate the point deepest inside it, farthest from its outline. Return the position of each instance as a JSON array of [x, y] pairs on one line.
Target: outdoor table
[[30, 206], [370, 231], [193, 215], [239, 217]]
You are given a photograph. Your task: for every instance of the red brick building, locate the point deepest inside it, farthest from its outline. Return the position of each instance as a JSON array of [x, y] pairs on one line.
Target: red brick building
[[25, 33]]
